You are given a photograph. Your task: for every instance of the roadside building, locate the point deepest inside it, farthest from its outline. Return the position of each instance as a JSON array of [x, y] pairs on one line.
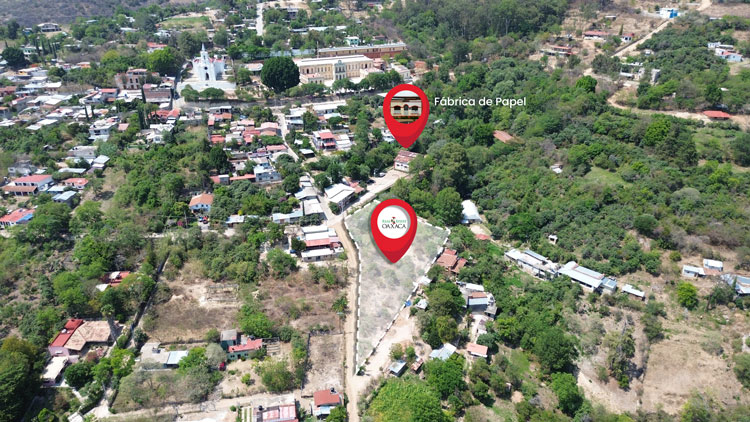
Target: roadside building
[[244, 349], [397, 368], [324, 401], [444, 352], [403, 159], [201, 203], [340, 194], [276, 413], [740, 283], [327, 69]]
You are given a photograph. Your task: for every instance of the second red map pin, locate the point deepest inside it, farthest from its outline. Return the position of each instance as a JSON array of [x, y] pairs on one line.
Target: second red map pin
[[405, 110], [394, 224]]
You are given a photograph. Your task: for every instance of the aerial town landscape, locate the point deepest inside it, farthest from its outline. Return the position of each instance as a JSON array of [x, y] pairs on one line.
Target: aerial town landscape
[[187, 187]]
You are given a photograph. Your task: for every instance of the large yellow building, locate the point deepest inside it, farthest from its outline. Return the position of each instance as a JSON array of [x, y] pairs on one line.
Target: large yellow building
[[320, 70]]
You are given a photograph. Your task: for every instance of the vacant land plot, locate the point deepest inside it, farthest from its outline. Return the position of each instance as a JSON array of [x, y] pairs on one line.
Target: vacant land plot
[[196, 304], [384, 287], [300, 301], [326, 363], [188, 22]]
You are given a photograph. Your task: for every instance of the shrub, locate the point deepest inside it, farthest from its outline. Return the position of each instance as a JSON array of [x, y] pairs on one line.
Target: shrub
[[687, 295]]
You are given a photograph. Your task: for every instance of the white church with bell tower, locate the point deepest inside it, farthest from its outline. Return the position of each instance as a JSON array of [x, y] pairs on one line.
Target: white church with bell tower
[[207, 68]]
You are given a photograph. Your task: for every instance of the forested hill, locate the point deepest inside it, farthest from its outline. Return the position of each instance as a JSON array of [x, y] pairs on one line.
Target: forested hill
[[454, 27], [33, 12]]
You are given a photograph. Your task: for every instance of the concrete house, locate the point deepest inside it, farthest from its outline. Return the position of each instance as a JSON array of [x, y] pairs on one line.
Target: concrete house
[[201, 203], [588, 279], [402, 160], [77, 336], [533, 263], [324, 401]]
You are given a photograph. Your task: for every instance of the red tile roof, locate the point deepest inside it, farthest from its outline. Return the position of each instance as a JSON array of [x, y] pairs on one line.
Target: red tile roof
[[27, 189], [34, 178], [326, 398], [66, 332], [16, 215], [204, 198], [77, 181], [250, 345], [482, 236], [715, 114], [502, 136], [476, 349]]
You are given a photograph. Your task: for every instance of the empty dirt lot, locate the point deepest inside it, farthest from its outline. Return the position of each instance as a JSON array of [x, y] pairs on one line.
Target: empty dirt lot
[[196, 305], [326, 363]]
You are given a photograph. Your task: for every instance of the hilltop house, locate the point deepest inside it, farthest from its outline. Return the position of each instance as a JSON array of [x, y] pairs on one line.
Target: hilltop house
[[589, 279], [77, 336], [533, 263]]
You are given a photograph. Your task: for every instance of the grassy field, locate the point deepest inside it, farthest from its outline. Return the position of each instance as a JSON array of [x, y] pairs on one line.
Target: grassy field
[[195, 22], [604, 177]]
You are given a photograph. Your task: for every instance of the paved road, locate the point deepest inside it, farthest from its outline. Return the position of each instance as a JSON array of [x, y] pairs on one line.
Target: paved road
[[259, 20]]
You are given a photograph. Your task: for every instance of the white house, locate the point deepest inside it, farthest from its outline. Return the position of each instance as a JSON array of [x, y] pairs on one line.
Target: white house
[[713, 264], [691, 271], [340, 194], [470, 213], [201, 203]]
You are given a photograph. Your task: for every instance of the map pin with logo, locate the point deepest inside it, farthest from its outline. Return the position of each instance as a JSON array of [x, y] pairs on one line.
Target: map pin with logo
[[394, 224], [406, 110]]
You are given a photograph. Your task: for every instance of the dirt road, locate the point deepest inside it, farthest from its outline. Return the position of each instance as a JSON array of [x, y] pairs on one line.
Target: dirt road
[[350, 327]]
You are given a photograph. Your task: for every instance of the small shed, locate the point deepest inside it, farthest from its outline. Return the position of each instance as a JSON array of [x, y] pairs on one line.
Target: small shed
[[397, 368]]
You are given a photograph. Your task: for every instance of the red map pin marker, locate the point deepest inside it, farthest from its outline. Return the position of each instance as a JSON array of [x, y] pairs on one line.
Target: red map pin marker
[[394, 224], [406, 110]]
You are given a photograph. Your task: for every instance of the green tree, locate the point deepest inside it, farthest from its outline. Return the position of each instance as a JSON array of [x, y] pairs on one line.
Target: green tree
[[281, 262], [645, 224], [741, 149], [338, 414], [713, 94], [568, 394], [446, 377], [276, 376], [687, 295], [280, 73], [166, 61], [221, 37], [79, 374], [586, 84], [255, 323], [448, 206], [447, 328], [555, 350], [406, 400], [15, 58], [18, 383], [742, 368]]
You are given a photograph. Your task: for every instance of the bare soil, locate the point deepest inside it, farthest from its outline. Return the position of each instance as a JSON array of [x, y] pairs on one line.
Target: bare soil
[[327, 359], [195, 306]]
